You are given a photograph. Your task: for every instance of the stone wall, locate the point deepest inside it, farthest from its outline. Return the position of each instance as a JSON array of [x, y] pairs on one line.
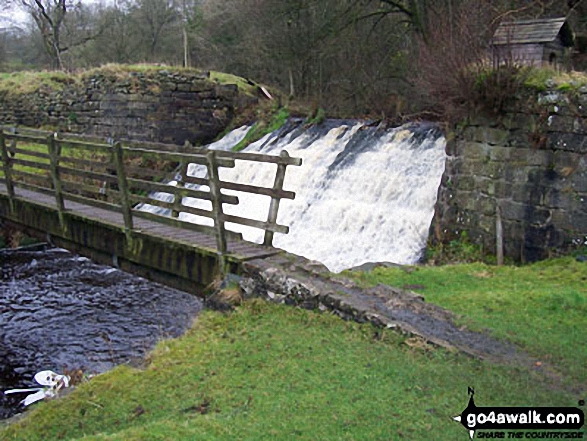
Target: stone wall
[[531, 162], [159, 105]]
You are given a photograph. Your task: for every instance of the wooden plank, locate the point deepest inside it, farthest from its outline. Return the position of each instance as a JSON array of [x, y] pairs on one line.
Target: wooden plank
[[76, 188], [271, 192], [216, 202], [274, 206], [7, 168], [196, 181], [173, 222], [55, 152], [84, 145], [257, 224], [178, 157], [179, 191], [37, 189], [32, 153], [32, 176], [259, 157], [88, 163], [89, 174], [34, 139], [177, 199], [32, 164], [135, 198], [123, 188]]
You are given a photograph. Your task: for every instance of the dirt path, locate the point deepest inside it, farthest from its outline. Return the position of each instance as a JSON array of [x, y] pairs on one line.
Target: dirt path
[[297, 281]]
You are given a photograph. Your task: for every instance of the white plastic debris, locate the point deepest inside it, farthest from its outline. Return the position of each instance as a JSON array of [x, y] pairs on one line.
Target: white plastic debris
[[53, 384]]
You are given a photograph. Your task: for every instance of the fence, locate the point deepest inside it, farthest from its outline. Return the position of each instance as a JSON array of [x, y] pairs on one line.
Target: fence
[[120, 176]]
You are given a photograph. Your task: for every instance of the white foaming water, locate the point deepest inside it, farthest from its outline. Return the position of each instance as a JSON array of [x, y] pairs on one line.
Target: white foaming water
[[362, 194]]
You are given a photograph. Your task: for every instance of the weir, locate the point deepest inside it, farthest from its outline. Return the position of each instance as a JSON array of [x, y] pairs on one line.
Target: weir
[[365, 194]]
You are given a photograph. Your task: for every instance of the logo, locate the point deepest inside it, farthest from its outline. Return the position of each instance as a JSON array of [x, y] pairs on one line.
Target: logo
[[501, 419]]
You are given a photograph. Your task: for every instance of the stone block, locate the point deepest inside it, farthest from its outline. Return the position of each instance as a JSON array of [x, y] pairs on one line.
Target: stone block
[[513, 210], [530, 157], [499, 153], [570, 142], [578, 181], [560, 123]]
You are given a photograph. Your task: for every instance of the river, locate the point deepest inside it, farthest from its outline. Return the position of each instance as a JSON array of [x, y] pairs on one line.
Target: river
[[60, 311]]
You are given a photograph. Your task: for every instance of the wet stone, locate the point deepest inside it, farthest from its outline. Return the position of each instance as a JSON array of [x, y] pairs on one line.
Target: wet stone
[[59, 311]]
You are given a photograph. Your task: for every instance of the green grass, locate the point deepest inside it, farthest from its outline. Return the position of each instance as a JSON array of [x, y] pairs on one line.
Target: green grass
[[263, 127], [542, 79], [42, 148], [542, 307], [26, 82], [278, 373], [224, 78]]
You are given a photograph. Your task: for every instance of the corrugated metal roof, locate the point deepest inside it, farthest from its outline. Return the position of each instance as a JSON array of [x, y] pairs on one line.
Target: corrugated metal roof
[[529, 31]]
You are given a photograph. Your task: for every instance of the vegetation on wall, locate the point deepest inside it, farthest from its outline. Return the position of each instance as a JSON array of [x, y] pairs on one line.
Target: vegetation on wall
[[353, 58]]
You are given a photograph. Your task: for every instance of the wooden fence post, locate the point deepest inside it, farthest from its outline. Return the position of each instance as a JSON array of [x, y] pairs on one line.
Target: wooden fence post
[[54, 158], [123, 189], [214, 183], [274, 207], [183, 171], [499, 236], [7, 168]]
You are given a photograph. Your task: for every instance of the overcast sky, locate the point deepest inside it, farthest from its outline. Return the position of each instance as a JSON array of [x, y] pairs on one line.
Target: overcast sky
[[16, 16]]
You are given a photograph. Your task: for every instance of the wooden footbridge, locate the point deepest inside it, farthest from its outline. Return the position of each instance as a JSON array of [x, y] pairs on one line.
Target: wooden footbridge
[[88, 196]]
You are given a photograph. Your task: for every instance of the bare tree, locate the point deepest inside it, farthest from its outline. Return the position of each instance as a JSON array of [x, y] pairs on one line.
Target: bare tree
[[49, 16], [157, 15]]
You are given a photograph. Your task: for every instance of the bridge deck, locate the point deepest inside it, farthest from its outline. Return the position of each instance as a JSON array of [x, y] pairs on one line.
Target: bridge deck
[[237, 249]]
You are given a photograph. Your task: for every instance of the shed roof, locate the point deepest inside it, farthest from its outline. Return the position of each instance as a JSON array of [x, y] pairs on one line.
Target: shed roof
[[533, 31]]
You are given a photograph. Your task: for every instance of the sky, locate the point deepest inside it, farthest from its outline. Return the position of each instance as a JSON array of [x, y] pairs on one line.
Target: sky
[[16, 16], [12, 15]]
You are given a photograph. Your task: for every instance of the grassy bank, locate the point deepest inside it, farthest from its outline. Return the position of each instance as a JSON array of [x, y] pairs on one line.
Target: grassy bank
[[275, 372], [16, 84], [541, 307]]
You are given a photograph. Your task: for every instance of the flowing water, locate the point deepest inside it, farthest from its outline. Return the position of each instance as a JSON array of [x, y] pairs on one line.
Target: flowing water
[[363, 194], [59, 311]]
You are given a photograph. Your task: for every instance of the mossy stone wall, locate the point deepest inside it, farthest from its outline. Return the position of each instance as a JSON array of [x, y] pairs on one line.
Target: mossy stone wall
[[159, 106], [531, 162]]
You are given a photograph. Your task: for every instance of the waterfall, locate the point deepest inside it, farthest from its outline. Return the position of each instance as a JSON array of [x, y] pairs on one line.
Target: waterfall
[[363, 194]]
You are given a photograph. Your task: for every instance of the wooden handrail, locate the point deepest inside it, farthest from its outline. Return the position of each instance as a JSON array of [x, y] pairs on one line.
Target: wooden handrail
[[113, 179]]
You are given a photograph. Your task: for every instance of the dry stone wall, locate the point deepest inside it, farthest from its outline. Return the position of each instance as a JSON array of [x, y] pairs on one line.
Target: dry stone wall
[[160, 106], [530, 163]]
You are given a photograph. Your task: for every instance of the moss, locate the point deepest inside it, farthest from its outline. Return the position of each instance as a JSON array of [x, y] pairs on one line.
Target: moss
[[545, 78], [27, 82], [22, 83], [264, 126]]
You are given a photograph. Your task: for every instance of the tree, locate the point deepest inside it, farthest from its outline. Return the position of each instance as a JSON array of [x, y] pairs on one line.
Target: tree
[[156, 16], [49, 16]]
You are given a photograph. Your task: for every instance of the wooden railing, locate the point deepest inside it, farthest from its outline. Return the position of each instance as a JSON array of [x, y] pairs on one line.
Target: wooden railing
[[121, 176]]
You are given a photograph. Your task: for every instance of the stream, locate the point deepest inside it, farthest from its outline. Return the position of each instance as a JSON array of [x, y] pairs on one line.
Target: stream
[[60, 311]]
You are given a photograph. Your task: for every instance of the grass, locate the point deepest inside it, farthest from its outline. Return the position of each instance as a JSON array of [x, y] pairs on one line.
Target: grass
[[542, 307], [27, 82], [542, 79], [223, 78], [275, 372], [265, 124]]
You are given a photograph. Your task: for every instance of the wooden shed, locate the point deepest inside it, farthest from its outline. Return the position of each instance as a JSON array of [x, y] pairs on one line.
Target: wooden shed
[[532, 42]]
